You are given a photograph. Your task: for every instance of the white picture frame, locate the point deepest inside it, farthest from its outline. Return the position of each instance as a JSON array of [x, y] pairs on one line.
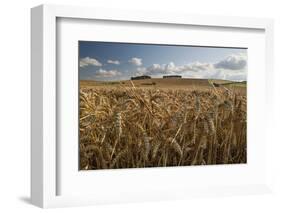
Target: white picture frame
[[44, 150]]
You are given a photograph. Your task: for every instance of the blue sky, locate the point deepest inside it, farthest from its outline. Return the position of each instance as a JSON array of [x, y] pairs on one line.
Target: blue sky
[[109, 61]]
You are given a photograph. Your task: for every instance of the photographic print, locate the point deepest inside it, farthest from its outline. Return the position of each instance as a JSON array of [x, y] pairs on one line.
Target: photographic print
[[155, 105]]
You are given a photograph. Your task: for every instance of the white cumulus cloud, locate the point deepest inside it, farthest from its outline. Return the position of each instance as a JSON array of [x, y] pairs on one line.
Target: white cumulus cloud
[[233, 62], [232, 67], [116, 62], [84, 62], [106, 73], [171, 68], [197, 66], [136, 61]]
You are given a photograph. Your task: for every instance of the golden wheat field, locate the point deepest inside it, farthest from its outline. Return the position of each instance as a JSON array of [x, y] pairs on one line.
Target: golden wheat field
[[133, 127]]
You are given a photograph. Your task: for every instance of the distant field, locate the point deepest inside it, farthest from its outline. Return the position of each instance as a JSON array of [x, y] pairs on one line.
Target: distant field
[[156, 82], [229, 83], [160, 83]]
